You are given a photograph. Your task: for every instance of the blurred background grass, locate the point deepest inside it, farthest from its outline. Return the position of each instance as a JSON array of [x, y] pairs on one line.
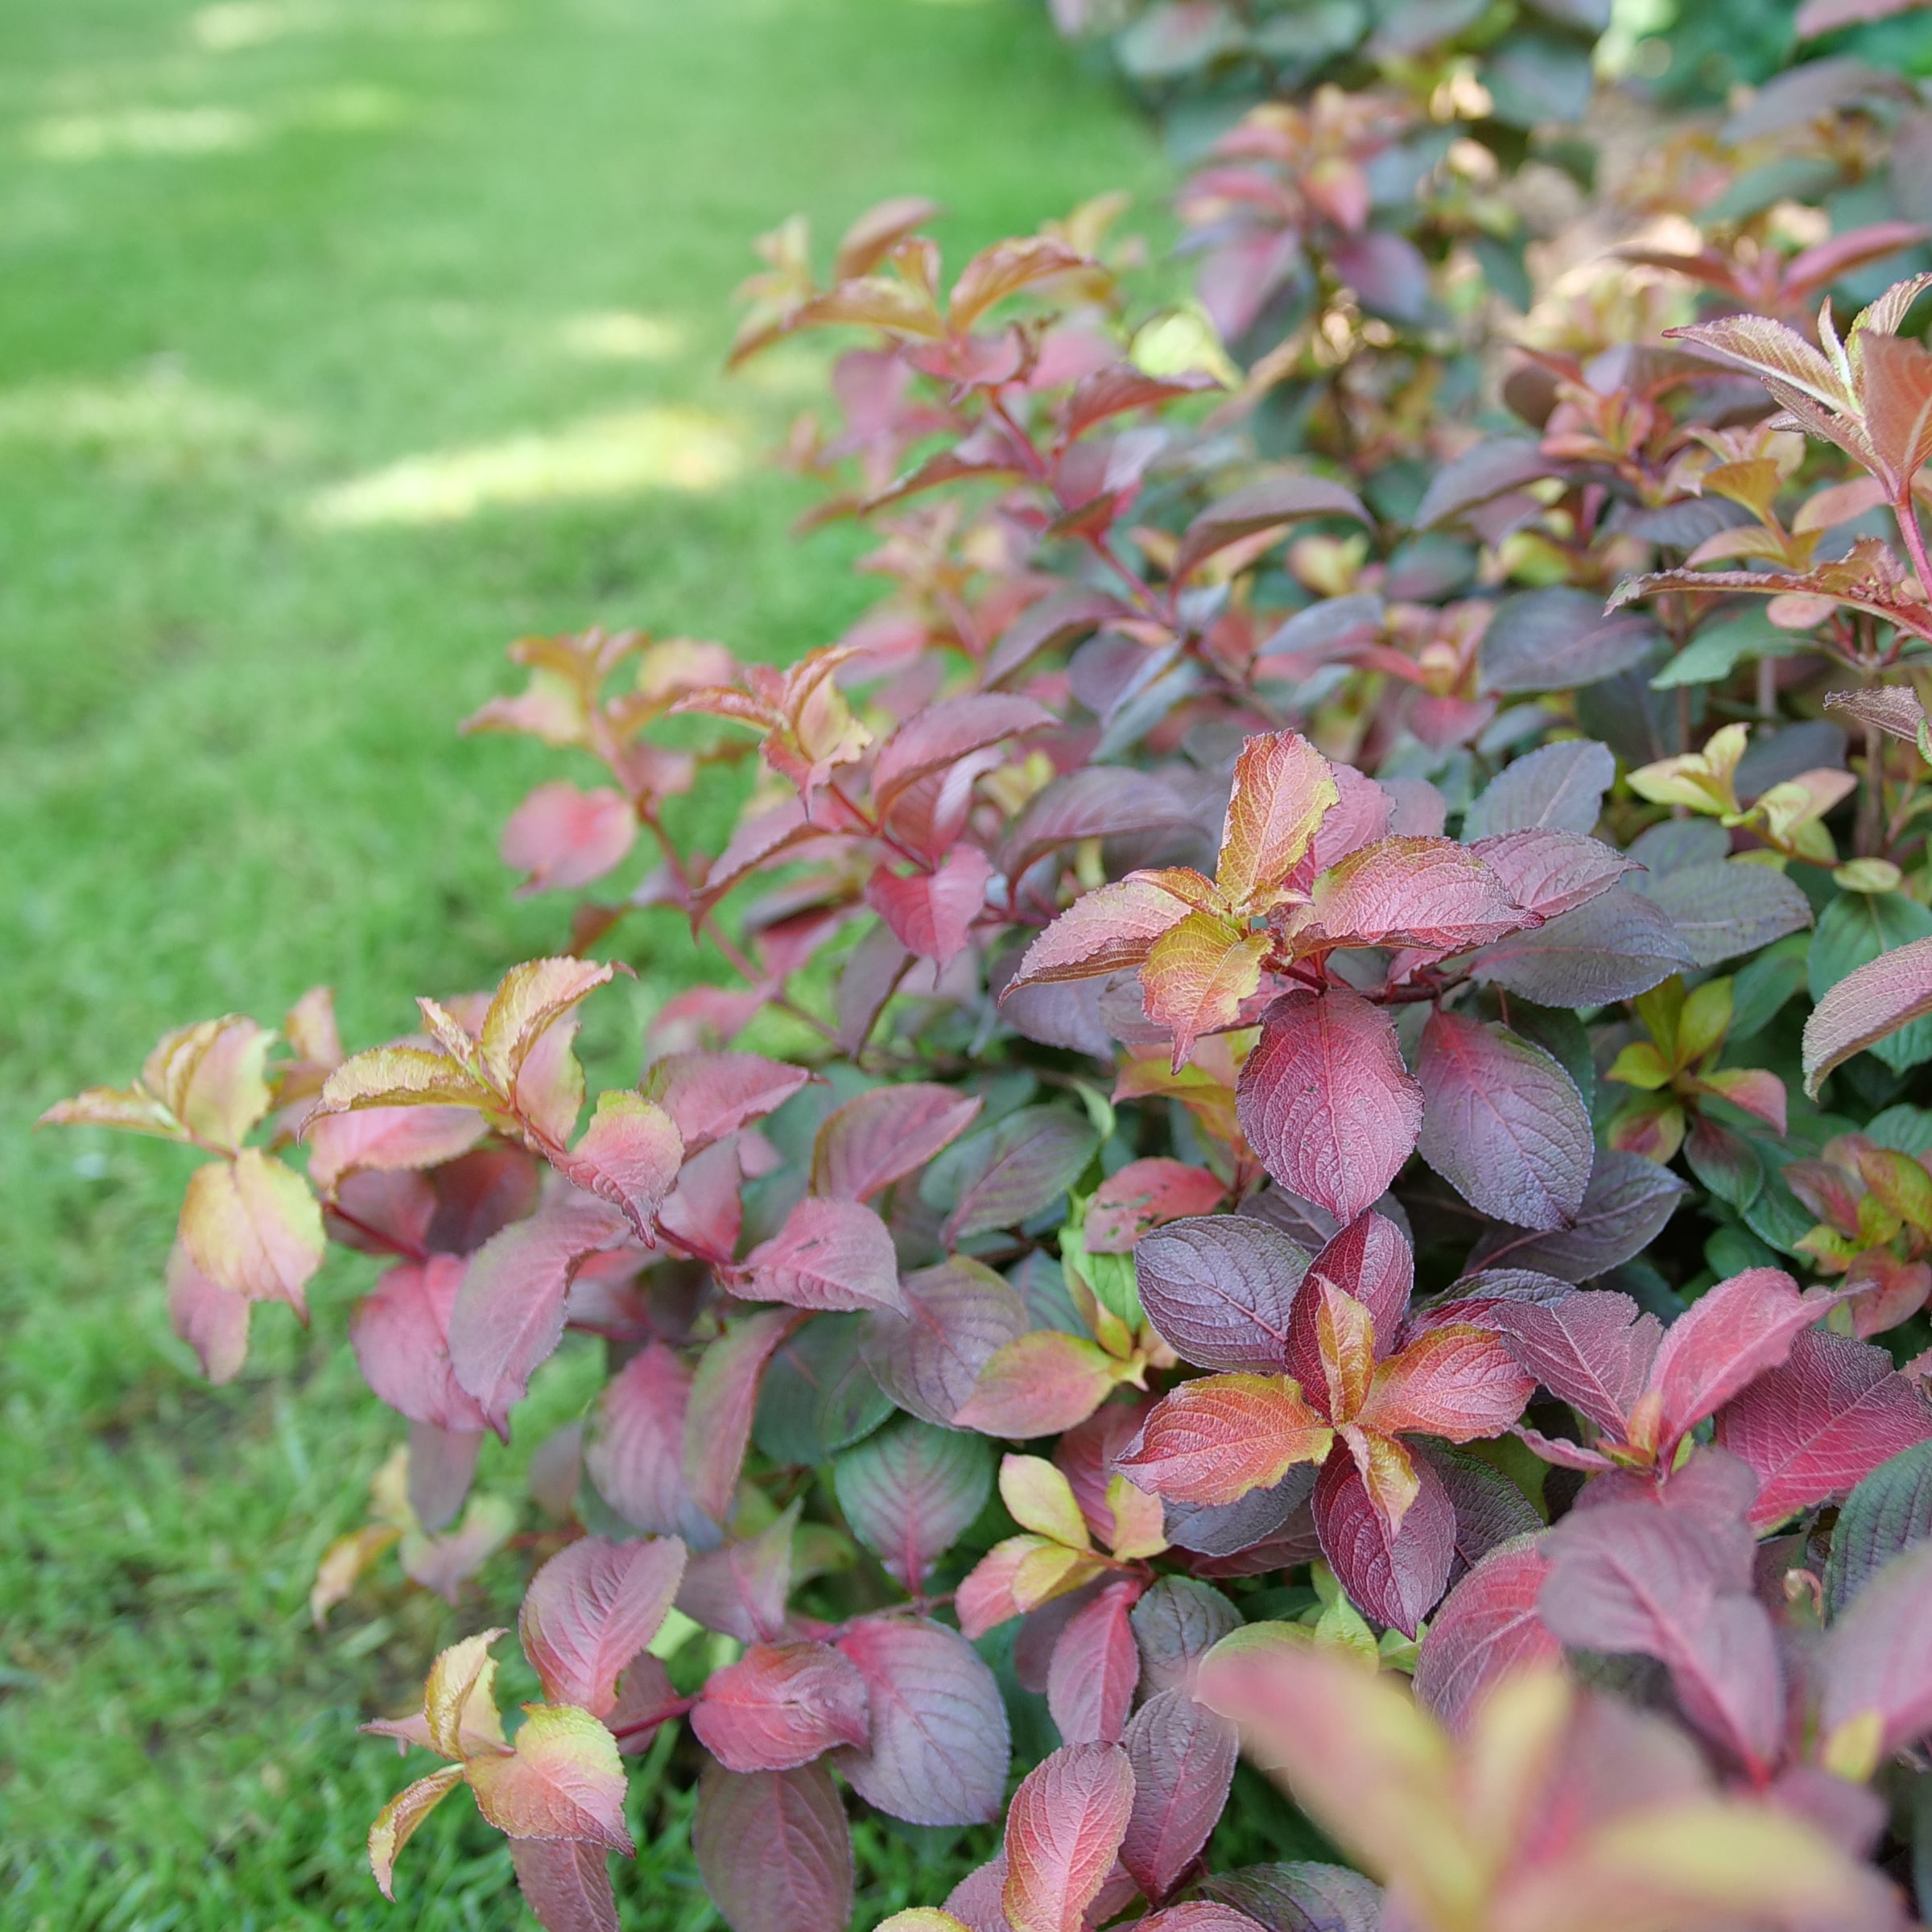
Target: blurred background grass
[[344, 341]]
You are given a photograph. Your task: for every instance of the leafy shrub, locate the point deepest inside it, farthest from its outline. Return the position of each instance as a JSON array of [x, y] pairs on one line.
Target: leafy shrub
[[1161, 1237]]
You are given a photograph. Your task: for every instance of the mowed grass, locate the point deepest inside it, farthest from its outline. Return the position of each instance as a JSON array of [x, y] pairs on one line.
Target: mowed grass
[[342, 342]]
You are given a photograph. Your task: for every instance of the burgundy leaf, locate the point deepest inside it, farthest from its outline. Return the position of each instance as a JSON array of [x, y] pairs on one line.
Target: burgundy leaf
[[724, 1394], [508, 1316], [1056, 619], [1487, 1627], [634, 1453], [829, 1254], [1395, 1580], [1096, 802], [1090, 1683], [1087, 1455], [1062, 1830], [1182, 1758], [1490, 1510], [1629, 1577], [401, 1337], [441, 1466], [591, 1609], [1326, 1102], [1593, 1349], [939, 1742], [1495, 465], [1371, 1260], [1268, 505], [1820, 1421], [885, 1134], [780, 1706], [710, 1095], [1225, 1530], [959, 1315], [565, 1883], [774, 1849], [910, 1491], [1218, 1290]]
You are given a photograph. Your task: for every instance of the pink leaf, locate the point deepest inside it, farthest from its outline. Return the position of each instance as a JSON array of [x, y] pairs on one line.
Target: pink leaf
[[946, 732], [1820, 1422], [931, 913], [628, 1155], [717, 1420], [508, 1313], [740, 1590], [384, 1139], [1592, 1348], [1095, 1666], [562, 1779], [829, 1254], [939, 1745], [710, 1095], [1039, 1385], [1326, 1102], [884, 1135], [1147, 1193], [564, 838], [1394, 1579], [1865, 1006], [1214, 1440], [1423, 892], [1502, 1122], [1219, 1290], [1633, 1577], [635, 1452], [1182, 1758], [775, 1850], [1877, 1659], [212, 1319], [1486, 1627], [401, 1337], [1103, 931], [1457, 1381], [1548, 872], [1062, 1830], [591, 1609], [565, 1883], [779, 1706]]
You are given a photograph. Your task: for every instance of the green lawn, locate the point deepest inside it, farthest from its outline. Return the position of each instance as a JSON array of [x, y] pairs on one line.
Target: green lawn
[[342, 342]]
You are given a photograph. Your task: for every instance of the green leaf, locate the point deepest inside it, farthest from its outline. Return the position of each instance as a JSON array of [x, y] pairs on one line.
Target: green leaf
[[1889, 1511], [1717, 652], [818, 1396]]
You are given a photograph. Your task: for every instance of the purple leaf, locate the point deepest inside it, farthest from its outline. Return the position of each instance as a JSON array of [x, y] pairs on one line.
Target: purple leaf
[[1496, 465], [910, 1491], [591, 1609], [959, 1315], [1225, 1529], [775, 1850], [1558, 788], [1502, 1122], [1487, 1627], [1615, 947], [1009, 1171], [829, 1254], [939, 1740], [1724, 909], [1552, 873], [1866, 1006], [740, 1590], [724, 1395], [1545, 640], [885, 1134], [565, 1883], [1395, 1580], [1183, 1756], [1096, 802], [1301, 1897], [441, 1466], [1820, 1422], [1090, 1681], [1878, 1657], [1218, 1290], [1593, 1349], [1175, 1624], [634, 1453], [1326, 1102], [780, 1706], [1624, 1209]]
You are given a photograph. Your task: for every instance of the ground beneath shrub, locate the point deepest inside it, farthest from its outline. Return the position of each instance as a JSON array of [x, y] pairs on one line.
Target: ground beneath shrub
[[344, 340]]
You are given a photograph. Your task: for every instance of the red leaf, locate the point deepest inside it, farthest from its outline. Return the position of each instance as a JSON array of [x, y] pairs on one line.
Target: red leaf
[[780, 1706], [1459, 1382], [829, 1254], [1820, 1422], [939, 1745], [1502, 1122], [565, 1883], [635, 1452], [1219, 1290], [564, 838], [401, 1337], [931, 913], [717, 1420], [1326, 1102], [1183, 1756], [1214, 1440], [775, 1850], [884, 1135], [1371, 1260], [1147, 1193], [1095, 1668], [1629, 1577], [1548, 872], [710, 1095], [591, 1609], [959, 1315], [1283, 788], [508, 1317], [1729, 1336], [1592, 1348], [1865, 1006], [1063, 1829], [1102, 931], [1394, 1579], [1486, 1627], [944, 733]]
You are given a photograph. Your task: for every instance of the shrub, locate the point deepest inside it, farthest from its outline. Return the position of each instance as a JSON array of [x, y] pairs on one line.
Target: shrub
[[1162, 1235]]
